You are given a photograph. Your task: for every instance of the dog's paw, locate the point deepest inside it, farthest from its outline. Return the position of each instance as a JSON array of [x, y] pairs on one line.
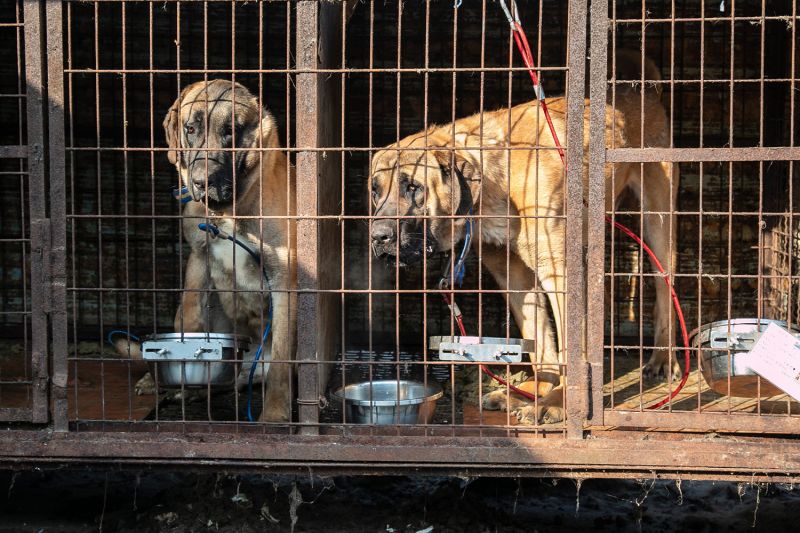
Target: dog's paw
[[530, 415], [146, 386], [499, 400], [494, 401], [658, 368], [187, 396], [275, 414]]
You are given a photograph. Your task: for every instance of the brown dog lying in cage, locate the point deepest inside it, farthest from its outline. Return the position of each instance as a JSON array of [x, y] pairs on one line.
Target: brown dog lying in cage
[[446, 173], [224, 290]]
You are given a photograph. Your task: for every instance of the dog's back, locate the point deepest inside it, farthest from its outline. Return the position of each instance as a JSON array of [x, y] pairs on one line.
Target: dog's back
[[637, 101]]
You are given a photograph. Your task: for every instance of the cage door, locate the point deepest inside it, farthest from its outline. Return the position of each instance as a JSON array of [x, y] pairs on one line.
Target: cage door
[[25, 240]]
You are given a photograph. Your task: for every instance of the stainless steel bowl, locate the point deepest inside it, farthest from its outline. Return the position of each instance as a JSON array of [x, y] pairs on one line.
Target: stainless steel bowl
[[738, 336], [195, 360], [389, 402]]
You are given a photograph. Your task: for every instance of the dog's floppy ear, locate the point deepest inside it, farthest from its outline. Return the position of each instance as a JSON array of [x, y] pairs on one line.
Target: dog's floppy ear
[[267, 134], [171, 129], [462, 172], [172, 124], [264, 136], [460, 163]]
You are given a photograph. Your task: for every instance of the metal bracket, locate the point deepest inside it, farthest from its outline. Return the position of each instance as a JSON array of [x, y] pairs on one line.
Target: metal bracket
[[481, 349], [188, 349]]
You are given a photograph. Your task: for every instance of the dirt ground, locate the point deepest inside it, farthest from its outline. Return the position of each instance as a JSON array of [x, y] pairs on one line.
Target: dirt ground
[[87, 500]]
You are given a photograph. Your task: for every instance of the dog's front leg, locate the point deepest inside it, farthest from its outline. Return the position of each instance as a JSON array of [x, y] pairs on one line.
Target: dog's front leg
[[189, 317], [659, 229], [530, 310], [191, 314], [545, 256], [278, 399]]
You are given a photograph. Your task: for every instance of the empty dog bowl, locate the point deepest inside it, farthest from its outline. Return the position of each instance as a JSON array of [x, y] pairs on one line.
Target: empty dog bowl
[[389, 402], [739, 336], [195, 360]]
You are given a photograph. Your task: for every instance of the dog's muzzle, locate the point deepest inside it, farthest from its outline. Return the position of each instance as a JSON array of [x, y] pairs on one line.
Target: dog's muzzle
[[212, 180], [216, 192], [411, 248]]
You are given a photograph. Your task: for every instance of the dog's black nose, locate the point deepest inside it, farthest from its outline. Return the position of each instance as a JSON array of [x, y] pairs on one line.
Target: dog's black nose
[[383, 231]]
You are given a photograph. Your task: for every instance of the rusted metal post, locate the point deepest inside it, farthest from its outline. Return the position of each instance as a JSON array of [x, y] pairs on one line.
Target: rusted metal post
[[316, 111], [35, 65], [58, 204], [577, 369], [307, 165], [595, 286]]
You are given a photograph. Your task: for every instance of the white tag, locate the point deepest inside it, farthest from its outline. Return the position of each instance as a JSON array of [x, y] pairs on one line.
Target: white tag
[[776, 357]]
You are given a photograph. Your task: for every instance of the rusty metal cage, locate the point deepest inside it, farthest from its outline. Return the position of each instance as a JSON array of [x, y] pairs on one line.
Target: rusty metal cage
[[94, 240]]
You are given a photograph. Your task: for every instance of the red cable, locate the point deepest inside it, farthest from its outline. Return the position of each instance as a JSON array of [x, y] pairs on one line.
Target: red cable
[[675, 302], [527, 56]]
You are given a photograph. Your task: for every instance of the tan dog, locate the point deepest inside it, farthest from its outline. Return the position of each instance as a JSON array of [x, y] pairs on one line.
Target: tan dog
[[442, 174], [204, 123]]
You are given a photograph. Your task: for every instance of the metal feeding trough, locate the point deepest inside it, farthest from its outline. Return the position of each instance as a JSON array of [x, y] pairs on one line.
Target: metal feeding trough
[[739, 335], [195, 360], [496, 350], [389, 402]]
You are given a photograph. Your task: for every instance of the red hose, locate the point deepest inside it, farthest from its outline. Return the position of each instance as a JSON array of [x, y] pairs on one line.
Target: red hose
[[527, 56], [675, 302]]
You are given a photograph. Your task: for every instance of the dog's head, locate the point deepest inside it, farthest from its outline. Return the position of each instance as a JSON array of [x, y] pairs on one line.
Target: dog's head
[[209, 130], [423, 196]]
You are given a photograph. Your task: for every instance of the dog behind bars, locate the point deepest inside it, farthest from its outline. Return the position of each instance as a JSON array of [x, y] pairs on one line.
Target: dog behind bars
[[448, 172], [232, 189]]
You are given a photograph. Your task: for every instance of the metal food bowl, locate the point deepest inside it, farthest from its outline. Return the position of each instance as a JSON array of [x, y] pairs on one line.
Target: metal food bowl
[[195, 360], [389, 402], [739, 336]]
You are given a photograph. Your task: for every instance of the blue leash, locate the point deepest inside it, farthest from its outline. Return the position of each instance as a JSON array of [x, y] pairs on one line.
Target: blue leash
[[182, 195], [120, 332], [215, 232], [459, 267]]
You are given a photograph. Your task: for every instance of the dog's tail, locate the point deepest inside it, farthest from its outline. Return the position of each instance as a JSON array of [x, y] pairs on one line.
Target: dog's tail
[[628, 67]]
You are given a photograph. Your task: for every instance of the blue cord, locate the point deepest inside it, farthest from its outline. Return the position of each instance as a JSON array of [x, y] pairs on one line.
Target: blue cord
[[182, 195], [255, 362], [210, 228], [461, 269], [216, 232], [122, 332]]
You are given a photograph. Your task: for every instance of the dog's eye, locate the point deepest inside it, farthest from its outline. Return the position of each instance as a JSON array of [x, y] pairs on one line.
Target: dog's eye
[[375, 193], [414, 193], [412, 188], [190, 130], [227, 131]]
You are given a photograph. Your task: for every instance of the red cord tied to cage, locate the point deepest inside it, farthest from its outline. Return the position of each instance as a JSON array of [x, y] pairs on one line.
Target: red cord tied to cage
[[512, 14]]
